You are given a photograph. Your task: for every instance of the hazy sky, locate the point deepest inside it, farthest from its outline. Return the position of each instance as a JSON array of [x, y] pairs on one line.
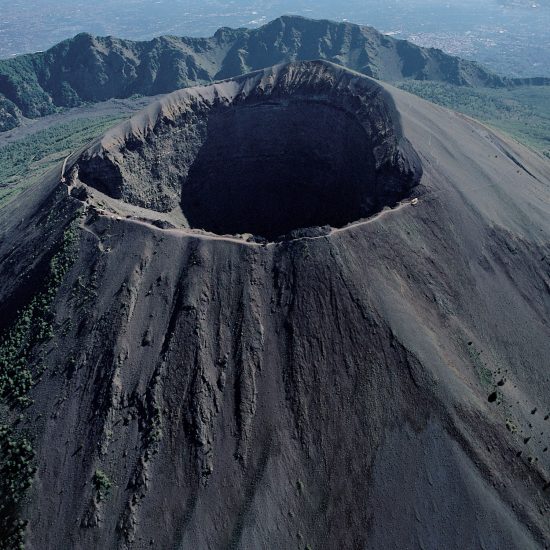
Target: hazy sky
[[472, 28], [141, 18]]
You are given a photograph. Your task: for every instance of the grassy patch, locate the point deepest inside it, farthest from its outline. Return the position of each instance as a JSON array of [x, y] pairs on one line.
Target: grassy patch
[[523, 112], [484, 374], [102, 484], [24, 162]]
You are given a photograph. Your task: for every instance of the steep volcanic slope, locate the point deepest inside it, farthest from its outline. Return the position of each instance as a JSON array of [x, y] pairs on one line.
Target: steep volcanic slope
[[87, 68], [379, 385]]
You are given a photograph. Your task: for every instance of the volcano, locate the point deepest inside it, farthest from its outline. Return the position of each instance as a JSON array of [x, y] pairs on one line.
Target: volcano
[[298, 308]]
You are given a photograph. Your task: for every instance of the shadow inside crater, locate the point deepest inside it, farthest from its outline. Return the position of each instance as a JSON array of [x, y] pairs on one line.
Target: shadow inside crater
[[270, 168]]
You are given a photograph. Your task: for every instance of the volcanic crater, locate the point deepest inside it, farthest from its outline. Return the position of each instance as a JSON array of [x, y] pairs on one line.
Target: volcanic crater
[[298, 146]]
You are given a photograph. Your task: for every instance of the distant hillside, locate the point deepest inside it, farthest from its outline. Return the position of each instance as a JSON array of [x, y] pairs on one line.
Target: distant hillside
[[90, 69]]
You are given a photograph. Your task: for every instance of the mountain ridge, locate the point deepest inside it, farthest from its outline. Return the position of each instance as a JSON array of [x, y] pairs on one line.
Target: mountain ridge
[[90, 69]]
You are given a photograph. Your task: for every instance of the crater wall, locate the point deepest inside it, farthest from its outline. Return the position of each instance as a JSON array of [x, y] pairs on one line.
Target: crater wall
[[295, 146]]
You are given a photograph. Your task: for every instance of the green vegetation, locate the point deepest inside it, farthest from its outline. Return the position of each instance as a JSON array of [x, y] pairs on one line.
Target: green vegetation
[[102, 484], [523, 112], [32, 326], [484, 374], [24, 162], [16, 473], [20, 79], [9, 115]]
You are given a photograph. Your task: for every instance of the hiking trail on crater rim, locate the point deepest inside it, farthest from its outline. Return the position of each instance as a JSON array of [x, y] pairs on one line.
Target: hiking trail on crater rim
[[297, 308]]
